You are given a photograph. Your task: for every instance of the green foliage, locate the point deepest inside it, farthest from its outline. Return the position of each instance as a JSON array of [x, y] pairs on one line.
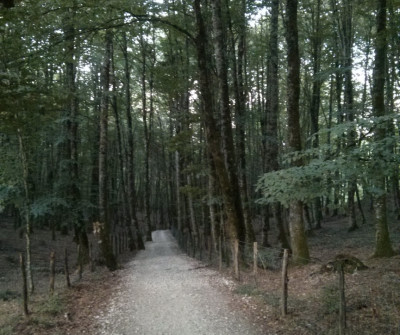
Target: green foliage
[[53, 306], [247, 289], [268, 298], [47, 205], [8, 295], [8, 194], [6, 330], [367, 162]]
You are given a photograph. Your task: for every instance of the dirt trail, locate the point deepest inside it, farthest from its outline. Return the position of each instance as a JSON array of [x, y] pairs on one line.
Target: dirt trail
[[162, 291]]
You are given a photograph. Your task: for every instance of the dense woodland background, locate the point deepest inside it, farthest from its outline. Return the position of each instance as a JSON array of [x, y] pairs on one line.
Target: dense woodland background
[[217, 119]]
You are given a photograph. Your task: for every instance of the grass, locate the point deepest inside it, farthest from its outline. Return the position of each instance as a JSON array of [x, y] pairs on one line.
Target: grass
[[44, 315], [6, 330], [330, 299], [9, 324], [269, 298], [247, 289], [53, 306]]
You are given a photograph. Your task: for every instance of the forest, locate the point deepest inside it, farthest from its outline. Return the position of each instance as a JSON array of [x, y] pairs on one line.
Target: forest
[[220, 120]]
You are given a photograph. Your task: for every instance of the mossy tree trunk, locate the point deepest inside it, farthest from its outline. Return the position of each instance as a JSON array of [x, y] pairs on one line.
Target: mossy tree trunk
[[220, 38], [234, 226]]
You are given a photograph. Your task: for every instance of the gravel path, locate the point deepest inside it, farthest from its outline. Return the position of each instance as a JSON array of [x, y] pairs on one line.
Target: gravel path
[[162, 291]]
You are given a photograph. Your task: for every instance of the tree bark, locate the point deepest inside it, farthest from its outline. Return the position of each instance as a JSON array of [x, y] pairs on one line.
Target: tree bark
[[120, 152], [234, 226], [147, 139], [296, 225], [345, 28], [26, 210], [238, 65], [269, 122], [71, 172], [316, 97], [130, 157], [106, 248], [227, 136], [383, 246]]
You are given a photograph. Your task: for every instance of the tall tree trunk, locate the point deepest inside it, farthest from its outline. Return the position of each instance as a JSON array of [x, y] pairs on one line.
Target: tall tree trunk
[[127, 219], [269, 121], [338, 47], [296, 225], [134, 224], [344, 20], [238, 65], [234, 225], [391, 79], [26, 209], [105, 227], [147, 134], [316, 96], [227, 136], [72, 175], [383, 246], [351, 139]]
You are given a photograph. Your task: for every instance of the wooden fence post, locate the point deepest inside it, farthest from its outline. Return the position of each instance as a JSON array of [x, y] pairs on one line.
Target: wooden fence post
[[236, 258], [24, 284], [80, 262], [91, 262], [210, 248], [52, 272], [113, 245], [255, 258], [188, 243], [342, 307], [284, 282], [66, 268], [200, 245], [220, 253]]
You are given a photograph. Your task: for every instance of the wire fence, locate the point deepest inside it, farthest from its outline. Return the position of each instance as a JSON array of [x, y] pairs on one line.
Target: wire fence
[[65, 252], [340, 295], [222, 253]]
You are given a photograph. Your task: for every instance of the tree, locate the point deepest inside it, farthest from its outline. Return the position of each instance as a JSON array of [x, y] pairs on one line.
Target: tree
[[238, 61], [147, 116], [109, 257], [316, 93], [234, 223], [383, 247], [133, 221], [69, 166], [269, 122], [344, 21], [296, 225], [219, 30]]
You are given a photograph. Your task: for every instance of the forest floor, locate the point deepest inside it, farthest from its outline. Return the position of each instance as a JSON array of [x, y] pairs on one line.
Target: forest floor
[[162, 291]]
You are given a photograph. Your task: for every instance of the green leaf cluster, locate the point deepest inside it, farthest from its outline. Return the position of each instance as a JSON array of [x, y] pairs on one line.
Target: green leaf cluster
[[322, 169]]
